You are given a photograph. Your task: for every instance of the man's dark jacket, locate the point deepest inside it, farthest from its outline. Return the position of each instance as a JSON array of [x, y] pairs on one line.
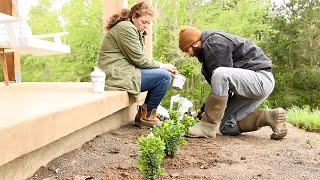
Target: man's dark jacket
[[220, 49]]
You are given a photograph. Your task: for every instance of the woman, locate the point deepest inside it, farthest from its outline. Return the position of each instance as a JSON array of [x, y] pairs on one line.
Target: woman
[[122, 56]]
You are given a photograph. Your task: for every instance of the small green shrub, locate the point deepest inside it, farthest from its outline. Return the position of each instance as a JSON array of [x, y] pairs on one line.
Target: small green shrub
[[174, 115], [152, 153], [188, 121], [176, 106], [187, 70], [172, 134]]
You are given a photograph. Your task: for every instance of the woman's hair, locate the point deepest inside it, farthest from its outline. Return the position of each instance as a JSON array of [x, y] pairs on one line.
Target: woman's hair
[[137, 11]]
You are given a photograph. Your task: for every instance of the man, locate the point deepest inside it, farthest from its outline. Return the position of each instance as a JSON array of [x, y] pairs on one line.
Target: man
[[232, 64]]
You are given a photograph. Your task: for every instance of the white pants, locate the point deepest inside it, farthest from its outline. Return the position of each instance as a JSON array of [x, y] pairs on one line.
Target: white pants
[[249, 88]]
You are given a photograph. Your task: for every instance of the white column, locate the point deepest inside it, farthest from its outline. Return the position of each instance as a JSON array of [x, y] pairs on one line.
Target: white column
[[112, 7]]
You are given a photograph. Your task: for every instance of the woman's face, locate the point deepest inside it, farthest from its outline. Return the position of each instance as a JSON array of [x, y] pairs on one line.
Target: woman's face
[[142, 22]]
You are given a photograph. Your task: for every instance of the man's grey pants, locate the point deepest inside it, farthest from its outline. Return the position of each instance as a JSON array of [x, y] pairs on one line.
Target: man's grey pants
[[250, 89]]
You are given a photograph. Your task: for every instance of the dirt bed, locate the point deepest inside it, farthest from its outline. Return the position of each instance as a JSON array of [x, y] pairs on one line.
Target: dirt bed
[[114, 156]]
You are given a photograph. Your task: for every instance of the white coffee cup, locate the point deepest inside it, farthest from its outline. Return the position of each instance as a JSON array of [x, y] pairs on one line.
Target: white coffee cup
[[178, 81], [98, 78]]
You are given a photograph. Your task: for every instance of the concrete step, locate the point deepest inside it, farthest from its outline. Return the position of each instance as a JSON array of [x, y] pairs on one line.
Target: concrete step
[[41, 121]]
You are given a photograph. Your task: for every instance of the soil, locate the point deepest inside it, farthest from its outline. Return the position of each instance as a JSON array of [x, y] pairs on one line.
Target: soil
[[114, 155]]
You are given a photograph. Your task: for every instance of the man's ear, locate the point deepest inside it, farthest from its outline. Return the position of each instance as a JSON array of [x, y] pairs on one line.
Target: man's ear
[[196, 44]]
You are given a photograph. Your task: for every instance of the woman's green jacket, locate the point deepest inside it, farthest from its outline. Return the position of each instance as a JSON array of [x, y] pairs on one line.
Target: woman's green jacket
[[122, 55]]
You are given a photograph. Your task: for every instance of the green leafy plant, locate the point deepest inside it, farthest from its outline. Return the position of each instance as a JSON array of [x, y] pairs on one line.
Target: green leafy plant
[[304, 118], [174, 115], [152, 154], [176, 105], [187, 70], [188, 121], [172, 134]]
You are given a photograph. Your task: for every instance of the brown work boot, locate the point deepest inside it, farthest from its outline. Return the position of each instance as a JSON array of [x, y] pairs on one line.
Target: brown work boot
[[138, 115], [203, 129], [213, 113], [277, 121], [275, 118], [141, 118]]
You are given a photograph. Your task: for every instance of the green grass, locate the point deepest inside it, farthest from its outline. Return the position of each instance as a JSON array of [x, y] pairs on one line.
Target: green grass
[[304, 118]]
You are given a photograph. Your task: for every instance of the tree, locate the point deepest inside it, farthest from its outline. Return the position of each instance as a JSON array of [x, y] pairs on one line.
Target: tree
[[295, 52], [83, 20]]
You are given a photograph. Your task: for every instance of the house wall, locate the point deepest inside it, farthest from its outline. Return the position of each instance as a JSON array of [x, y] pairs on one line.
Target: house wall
[[13, 59]]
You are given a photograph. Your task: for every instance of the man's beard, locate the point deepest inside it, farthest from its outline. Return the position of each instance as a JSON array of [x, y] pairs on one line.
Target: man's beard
[[197, 52]]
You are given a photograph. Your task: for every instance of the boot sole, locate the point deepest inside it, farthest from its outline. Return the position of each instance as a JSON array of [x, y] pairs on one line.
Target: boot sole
[[278, 136], [140, 123], [283, 130], [198, 136]]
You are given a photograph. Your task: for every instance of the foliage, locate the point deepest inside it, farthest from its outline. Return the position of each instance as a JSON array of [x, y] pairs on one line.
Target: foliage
[[151, 157], [295, 51], [308, 81], [165, 139], [176, 105], [174, 115], [289, 34], [43, 20], [184, 119], [172, 134], [187, 122], [83, 20], [304, 118], [187, 70]]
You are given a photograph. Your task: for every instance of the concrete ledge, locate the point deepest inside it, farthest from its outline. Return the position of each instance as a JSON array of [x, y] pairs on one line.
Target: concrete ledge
[[41, 121]]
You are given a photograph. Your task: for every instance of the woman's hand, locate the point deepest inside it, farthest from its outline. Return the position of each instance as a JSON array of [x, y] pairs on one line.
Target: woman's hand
[[169, 67]]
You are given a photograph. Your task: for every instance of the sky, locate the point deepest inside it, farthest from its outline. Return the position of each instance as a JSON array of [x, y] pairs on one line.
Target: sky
[[25, 6], [278, 2]]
